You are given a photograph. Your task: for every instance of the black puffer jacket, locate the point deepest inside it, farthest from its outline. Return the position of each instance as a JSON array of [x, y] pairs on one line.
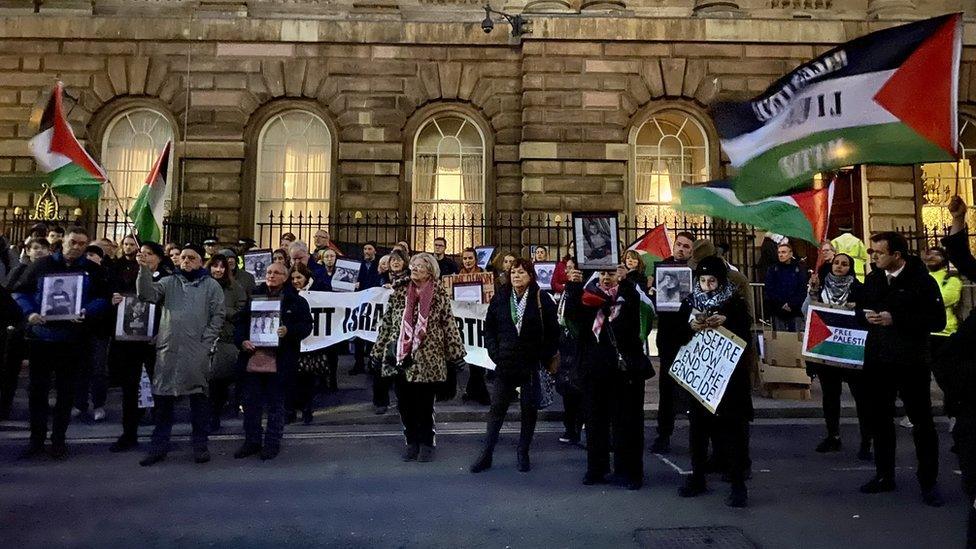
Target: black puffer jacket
[[915, 303], [517, 353]]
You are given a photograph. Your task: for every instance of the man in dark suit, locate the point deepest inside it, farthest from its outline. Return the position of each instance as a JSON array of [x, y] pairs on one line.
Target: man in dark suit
[[902, 305]]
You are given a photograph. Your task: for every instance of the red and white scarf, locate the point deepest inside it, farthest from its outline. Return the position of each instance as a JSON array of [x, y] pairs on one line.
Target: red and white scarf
[[413, 328], [597, 296]]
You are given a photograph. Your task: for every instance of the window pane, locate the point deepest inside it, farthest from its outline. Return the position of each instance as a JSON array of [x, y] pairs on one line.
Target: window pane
[[294, 179], [131, 145]]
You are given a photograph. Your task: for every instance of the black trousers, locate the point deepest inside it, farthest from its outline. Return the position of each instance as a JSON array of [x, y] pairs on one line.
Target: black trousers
[[381, 390], [12, 350], [911, 383], [264, 393], [936, 343], [164, 406], [731, 437], [476, 388], [362, 349], [615, 401], [416, 404], [831, 380], [93, 379], [501, 397], [60, 360], [138, 355], [219, 395], [667, 391], [964, 436], [573, 416]]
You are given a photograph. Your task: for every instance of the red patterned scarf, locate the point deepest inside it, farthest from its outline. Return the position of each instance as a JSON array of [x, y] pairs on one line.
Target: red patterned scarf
[[413, 329]]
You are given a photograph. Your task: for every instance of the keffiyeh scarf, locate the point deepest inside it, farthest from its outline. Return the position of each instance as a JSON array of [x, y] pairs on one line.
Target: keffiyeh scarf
[[605, 300], [711, 301], [837, 289], [413, 328], [518, 309]]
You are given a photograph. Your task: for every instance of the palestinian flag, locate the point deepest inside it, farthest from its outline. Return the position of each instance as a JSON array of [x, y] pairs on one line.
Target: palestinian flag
[[147, 211], [800, 215], [834, 336], [886, 98], [56, 150], [653, 247]]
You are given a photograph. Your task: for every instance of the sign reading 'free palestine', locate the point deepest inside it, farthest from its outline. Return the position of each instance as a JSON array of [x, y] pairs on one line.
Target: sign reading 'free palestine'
[[704, 366]]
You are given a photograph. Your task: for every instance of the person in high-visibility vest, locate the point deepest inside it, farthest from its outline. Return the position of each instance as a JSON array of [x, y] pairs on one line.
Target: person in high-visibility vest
[[853, 246]]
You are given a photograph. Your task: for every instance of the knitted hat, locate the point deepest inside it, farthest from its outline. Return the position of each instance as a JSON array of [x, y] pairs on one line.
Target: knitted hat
[[713, 266]]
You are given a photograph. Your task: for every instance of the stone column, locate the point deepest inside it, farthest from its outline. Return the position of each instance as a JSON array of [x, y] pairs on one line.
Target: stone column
[[891, 9], [716, 7]]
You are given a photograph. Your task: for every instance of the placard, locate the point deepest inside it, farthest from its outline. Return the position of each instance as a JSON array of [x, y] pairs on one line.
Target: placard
[[484, 253], [469, 292], [61, 296], [543, 274], [265, 320], [595, 234], [135, 320], [256, 262], [835, 337], [346, 275], [704, 366], [671, 286], [487, 281]]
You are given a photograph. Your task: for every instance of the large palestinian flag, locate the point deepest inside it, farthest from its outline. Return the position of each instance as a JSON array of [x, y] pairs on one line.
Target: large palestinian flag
[[886, 98], [834, 336], [800, 215], [57, 152], [147, 211]]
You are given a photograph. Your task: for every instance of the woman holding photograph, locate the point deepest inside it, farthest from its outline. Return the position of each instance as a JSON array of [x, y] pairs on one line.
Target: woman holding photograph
[[838, 286], [418, 341], [714, 303], [270, 372], [223, 363], [521, 336], [314, 369], [475, 389], [469, 262], [136, 355], [636, 272], [281, 256]]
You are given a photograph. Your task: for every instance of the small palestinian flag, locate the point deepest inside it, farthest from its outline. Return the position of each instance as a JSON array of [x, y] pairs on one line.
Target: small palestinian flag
[[654, 247], [147, 211], [889, 97], [56, 150], [834, 336], [800, 215]]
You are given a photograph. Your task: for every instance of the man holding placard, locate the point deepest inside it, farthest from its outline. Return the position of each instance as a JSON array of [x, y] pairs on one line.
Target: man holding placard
[[710, 367]]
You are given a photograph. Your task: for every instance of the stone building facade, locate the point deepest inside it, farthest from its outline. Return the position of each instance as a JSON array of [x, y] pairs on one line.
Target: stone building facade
[[576, 114]]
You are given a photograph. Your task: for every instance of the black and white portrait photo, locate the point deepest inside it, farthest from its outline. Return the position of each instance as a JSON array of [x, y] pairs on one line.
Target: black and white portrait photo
[[595, 235], [484, 254], [346, 275], [136, 320], [61, 296], [543, 274], [256, 262], [671, 285], [265, 320]]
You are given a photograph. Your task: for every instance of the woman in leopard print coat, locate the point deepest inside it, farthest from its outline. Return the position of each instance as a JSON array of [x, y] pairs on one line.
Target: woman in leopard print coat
[[418, 341]]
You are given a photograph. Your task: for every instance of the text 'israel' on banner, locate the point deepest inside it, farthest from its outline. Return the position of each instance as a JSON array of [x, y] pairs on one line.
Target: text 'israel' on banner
[[889, 97], [341, 316], [704, 366], [835, 337]]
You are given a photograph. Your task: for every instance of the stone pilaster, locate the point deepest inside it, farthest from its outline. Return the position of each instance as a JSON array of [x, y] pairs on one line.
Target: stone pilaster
[[891, 9]]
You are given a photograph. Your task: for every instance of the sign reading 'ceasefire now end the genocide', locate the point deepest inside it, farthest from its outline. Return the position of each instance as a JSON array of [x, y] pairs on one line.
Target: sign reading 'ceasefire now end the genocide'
[[704, 366]]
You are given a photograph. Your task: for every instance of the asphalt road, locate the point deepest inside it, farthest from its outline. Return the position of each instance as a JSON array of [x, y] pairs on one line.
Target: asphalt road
[[344, 486]]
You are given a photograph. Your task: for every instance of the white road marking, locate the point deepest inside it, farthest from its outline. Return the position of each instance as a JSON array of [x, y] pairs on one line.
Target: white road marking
[[672, 465]]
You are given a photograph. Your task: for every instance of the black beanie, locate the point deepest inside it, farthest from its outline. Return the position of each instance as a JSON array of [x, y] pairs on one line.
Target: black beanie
[[713, 266], [196, 248]]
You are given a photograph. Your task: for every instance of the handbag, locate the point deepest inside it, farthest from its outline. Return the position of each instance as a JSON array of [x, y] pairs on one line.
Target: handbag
[[314, 363], [543, 388], [262, 362], [637, 364]]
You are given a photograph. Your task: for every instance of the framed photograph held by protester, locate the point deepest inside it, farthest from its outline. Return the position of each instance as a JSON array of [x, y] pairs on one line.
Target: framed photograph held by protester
[[265, 320], [256, 262], [470, 292], [596, 239], [346, 275], [61, 296], [543, 274], [671, 285], [484, 253], [136, 320]]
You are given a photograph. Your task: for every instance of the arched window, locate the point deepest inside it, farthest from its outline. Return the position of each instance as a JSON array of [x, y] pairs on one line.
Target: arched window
[[448, 180], [671, 150], [132, 142], [293, 168], [943, 180]]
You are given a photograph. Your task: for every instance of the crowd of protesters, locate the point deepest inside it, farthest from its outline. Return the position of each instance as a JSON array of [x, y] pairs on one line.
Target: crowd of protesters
[[583, 337]]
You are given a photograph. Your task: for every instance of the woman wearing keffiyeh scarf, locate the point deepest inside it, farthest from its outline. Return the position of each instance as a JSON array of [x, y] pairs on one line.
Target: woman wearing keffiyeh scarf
[[418, 341], [521, 335], [839, 288], [606, 315], [713, 304]]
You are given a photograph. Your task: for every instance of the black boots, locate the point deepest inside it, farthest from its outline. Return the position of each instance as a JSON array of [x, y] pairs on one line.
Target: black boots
[[483, 463]]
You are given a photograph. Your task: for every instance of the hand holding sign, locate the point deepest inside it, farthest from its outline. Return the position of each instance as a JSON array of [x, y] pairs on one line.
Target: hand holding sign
[[704, 366]]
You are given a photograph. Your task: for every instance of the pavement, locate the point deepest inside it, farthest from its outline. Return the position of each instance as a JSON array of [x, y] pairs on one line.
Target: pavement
[[341, 484]]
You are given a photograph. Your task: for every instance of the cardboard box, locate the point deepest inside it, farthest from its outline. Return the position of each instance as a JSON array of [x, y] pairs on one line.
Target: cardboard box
[[783, 349], [778, 374], [786, 391]]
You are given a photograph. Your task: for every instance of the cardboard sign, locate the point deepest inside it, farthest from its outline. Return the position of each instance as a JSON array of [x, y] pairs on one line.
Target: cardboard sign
[[704, 366], [835, 337]]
